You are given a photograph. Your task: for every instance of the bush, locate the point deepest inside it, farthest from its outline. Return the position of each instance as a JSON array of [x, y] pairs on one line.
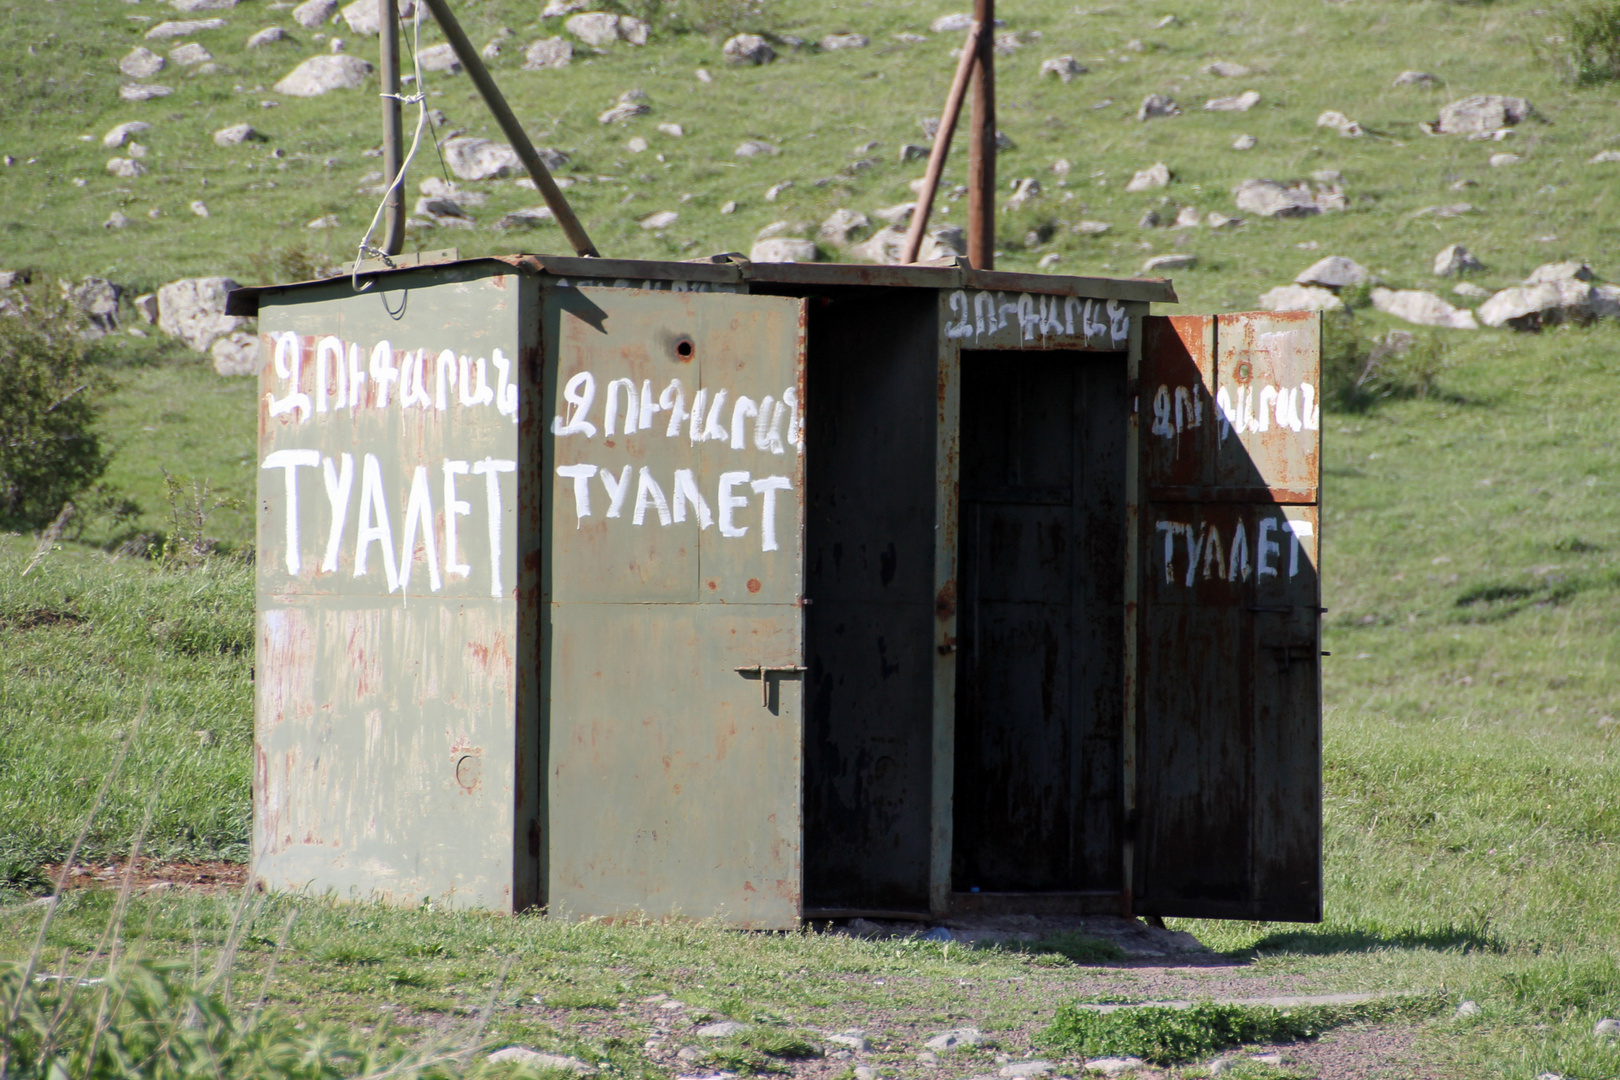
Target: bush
[[1358, 370], [49, 452], [1587, 46]]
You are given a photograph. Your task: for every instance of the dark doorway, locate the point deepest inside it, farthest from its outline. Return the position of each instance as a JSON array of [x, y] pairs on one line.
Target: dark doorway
[[1040, 633]]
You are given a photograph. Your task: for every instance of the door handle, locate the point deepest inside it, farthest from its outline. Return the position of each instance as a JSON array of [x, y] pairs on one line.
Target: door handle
[[764, 673]]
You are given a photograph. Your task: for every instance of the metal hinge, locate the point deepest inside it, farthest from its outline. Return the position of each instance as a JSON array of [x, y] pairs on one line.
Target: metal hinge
[[763, 673]]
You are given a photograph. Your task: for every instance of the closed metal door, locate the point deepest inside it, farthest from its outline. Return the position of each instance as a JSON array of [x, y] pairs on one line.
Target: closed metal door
[[674, 645]]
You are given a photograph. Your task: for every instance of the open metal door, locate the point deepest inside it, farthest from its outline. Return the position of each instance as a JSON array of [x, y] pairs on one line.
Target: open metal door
[[673, 653], [1228, 688]]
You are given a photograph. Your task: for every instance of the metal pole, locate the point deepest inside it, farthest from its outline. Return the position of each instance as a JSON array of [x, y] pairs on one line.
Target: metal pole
[[509, 125], [393, 140], [942, 146], [982, 147]]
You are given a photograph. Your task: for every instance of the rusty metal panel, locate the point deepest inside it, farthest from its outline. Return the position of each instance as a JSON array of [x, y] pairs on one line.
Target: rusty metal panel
[[1229, 675], [674, 646], [388, 757], [1000, 319]]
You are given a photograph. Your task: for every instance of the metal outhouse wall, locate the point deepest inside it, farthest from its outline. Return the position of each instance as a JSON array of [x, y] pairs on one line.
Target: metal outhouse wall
[[784, 592]]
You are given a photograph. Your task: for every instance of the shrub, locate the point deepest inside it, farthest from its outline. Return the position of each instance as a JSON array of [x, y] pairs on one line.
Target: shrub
[[49, 451], [1358, 369], [1587, 46]]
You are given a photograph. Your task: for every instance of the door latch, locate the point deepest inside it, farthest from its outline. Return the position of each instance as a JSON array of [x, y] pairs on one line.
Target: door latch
[[764, 673], [1303, 651]]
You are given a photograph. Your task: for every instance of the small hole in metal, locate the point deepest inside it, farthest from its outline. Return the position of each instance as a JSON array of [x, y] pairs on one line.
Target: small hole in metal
[[683, 349]]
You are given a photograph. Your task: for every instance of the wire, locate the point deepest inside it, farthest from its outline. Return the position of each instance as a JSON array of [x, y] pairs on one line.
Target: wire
[[419, 99]]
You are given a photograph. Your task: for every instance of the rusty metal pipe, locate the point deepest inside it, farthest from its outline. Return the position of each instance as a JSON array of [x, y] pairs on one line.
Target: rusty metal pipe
[[982, 147], [393, 139], [512, 128], [942, 145]]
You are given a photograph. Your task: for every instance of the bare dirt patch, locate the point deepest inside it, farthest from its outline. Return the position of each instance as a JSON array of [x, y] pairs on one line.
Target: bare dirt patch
[[154, 875]]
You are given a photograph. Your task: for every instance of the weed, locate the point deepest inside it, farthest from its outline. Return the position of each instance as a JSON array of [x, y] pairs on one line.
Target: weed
[[188, 543], [1586, 48]]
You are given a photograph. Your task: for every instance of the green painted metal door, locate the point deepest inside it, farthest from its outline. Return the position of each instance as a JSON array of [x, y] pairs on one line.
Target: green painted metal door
[[673, 593]]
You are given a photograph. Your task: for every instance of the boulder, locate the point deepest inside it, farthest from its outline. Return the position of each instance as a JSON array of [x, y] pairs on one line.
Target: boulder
[[472, 158], [1334, 272], [193, 310], [144, 91], [754, 148], [183, 28], [362, 16], [1177, 261], [268, 36], [1064, 67], [1543, 304], [552, 52], [440, 57], [1154, 176], [235, 135], [1482, 113], [120, 134], [887, 245], [1155, 105], [97, 298], [313, 13], [898, 214], [1339, 122], [141, 63], [747, 49], [633, 30], [1604, 157], [125, 168], [1415, 78], [955, 23], [595, 28], [556, 9], [662, 219], [1226, 70], [834, 42], [236, 354], [1422, 308], [1470, 290], [526, 218], [1576, 271], [1267, 198], [321, 74], [842, 225], [1299, 298], [783, 249], [1187, 217], [1242, 103], [1455, 259], [146, 306], [190, 54]]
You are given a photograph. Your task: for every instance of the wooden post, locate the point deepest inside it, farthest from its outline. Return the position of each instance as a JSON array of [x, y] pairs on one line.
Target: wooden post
[[393, 139], [981, 231], [942, 145]]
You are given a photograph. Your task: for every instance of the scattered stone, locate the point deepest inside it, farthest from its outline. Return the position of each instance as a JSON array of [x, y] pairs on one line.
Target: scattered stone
[[834, 42], [326, 221], [1064, 67], [184, 28], [1267, 198], [723, 1029], [442, 211], [472, 158], [663, 219], [674, 131], [596, 28], [1449, 210], [636, 145], [1482, 112], [1455, 259], [268, 36], [747, 49], [1177, 261], [1339, 122], [136, 150], [1155, 105], [141, 63], [1468, 1008], [912, 152], [1299, 298], [1571, 271], [338, 45], [1607, 1028], [1422, 308], [188, 6], [1049, 260], [1272, 1058], [910, 39], [120, 134], [1499, 160], [1244, 142], [954, 23], [1150, 220], [898, 214], [1154, 176], [557, 8], [1218, 220], [633, 30], [199, 208], [1021, 1069], [1470, 290], [783, 249], [1219, 1066], [1415, 78], [143, 91], [146, 307], [631, 103], [754, 148], [313, 13], [956, 1037], [522, 1055], [125, 168], [1242, 103], [729, 206], [190, 54], [1166, 23], [1005, 44], [237, 354], [1187, 218], [1334, 272], [526, 218], [363, 16], [97, 298], [1024, 190], [116, 221], [775, 190], [1113, 1066], [552, 52], [440, 57], [853, 1039], [321, 74], [1226, 70], [193, 310], [842, 225], [235, 135], [1544, 304]]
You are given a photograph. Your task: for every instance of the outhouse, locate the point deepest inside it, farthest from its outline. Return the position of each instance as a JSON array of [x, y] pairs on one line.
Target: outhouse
[[784, 592]]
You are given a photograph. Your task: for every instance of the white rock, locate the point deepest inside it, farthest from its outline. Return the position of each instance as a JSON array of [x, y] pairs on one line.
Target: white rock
[[1469, 1008], [1155, 105], [235, 135], [144, 91], [747, 49], [1187, 218], [1091, 228], [1267, 198], [1470, 290], [1242, 103], [1339, 122], [183, 28], [1244, 142], [703, 76], [268, 36], [1064, 67], [125, 168], [193, 310], [117, 220], [636, 145], [558, 8], [1455, 259], [237, 354], [337, 45], [1422, 309], [1482, 112], [1333, 272], [1024, 190], [440, 57], [1218, 220], [146, 306], [1415, 78], [1154, 176], [855, 1040], [783, 249], [1020, 1069], [472, 158], [1049, 260], [326, 221], [136, 150], [1534, 306], [538, 1061], [775, 190], [950, 1040], [362, 15], [1299, 298], [627, 108], [955, 23], [834, 42], [188, 6], [120, 134], [1273, 1058], [722, 1029], [633, 30], [1113, 1066], [528, 217], [594, 27], [1226, 70], [199, 208], [321, 74], [442, 211], [1499, 160], [313, 13], [842, 225], [1575, 270], [552, 52], [1177, 261], [898, 214], [754, 148], [190, 54], [141, 63], [663, 219], [1607, 1028]]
